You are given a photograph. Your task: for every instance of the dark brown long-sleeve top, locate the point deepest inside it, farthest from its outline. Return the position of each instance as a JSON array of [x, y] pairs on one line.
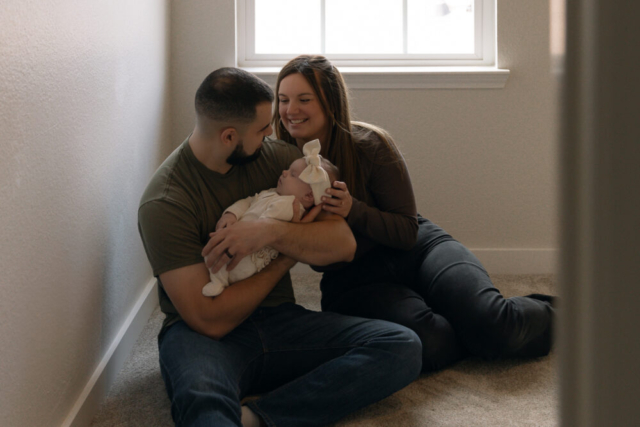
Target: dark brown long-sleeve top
[[386, 214]]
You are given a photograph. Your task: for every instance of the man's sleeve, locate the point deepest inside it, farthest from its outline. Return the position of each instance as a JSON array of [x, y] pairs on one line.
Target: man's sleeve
[[170, 236]]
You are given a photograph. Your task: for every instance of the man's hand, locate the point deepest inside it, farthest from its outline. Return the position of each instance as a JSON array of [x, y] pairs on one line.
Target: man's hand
[[229, 245], [324, 241], [226, 220]]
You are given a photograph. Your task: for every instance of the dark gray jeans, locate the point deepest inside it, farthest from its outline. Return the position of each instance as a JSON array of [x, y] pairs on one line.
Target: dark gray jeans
[[311, 368], [440, 290]]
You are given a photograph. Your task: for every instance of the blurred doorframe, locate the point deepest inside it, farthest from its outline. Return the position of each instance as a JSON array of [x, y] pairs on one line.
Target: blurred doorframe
[[599, 319]]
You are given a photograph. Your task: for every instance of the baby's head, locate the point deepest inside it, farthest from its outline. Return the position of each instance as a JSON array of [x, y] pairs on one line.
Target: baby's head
[[290, 184]]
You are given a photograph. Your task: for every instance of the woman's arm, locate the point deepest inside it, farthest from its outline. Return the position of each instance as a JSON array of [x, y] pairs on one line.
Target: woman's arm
[[391, 217]]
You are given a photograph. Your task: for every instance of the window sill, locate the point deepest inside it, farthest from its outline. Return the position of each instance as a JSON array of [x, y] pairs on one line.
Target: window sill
[[410, 77]]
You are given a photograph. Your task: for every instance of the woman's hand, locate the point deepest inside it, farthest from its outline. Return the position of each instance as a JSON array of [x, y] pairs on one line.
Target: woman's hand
[[341, 201], [226, 220]]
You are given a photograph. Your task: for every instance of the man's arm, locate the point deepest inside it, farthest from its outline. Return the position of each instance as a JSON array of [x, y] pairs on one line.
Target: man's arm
[[216, 317], [325, 241]]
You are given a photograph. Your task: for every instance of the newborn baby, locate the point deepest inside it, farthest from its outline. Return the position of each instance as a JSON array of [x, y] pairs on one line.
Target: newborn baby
[[304, 184]]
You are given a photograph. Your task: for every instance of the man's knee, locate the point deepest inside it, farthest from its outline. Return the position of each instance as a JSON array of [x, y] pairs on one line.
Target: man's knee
[[187, 371], [402, 350], [412, 353]]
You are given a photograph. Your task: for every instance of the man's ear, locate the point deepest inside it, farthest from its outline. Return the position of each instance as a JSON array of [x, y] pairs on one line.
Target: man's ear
[[229, 136]]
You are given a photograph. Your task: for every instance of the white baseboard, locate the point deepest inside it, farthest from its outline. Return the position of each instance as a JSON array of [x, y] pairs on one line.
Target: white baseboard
[[500, 261], [105, 374]]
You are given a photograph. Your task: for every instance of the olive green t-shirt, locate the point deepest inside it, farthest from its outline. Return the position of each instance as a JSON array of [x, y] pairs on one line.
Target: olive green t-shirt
[[184, 200]]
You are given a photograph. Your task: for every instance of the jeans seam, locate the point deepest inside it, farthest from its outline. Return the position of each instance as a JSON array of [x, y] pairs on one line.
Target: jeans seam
[[173, 400], [264, 353], [237, 381], [265, 417]]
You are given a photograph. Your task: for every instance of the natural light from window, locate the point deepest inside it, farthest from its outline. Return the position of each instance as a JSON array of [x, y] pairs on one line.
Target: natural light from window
[[400, 44], [365, 27]]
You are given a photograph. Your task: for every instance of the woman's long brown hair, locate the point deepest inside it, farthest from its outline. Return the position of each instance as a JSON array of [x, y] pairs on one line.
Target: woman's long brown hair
[[342, 145]]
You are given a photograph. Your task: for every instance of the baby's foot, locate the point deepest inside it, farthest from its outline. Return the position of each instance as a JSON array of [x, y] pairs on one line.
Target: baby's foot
[[213, 289]]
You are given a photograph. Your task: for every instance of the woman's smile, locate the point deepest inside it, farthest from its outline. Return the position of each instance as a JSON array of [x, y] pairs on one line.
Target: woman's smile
[[300, 109]]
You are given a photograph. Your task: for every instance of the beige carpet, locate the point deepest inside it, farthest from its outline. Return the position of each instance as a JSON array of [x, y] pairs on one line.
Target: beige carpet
[[471, 393]]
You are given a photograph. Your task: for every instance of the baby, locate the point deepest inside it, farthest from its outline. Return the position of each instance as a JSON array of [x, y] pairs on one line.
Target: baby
[[304, 183]]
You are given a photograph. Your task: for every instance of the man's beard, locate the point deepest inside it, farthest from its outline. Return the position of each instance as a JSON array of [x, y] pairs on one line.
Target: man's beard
[[239, 157]]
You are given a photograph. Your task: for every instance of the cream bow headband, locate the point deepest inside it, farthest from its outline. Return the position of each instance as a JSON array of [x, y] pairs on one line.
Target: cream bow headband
[[314, 174]]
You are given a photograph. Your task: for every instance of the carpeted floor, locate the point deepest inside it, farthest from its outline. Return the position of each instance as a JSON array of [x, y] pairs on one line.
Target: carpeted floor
[[471, 393]]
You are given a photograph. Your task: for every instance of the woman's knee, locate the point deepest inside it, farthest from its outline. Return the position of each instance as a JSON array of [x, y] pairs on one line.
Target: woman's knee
[[447, 266]]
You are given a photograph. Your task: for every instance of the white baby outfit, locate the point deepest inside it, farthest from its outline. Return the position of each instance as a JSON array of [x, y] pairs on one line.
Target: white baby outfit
[[266, 204], [269, 204]]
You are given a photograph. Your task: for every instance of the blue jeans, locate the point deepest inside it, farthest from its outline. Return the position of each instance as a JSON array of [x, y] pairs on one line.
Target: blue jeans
[[310, 368], [440, 290]]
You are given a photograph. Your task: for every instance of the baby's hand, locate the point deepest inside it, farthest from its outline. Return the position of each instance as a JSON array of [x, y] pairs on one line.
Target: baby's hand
[[226, 220], [297, 213], [309, 216]]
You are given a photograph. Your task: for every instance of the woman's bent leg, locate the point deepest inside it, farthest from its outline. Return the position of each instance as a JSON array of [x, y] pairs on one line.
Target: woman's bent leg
[[399, 304], [454, 283]]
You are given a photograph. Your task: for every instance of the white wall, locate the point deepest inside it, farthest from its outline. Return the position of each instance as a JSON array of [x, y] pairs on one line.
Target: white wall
[[84, 89], [483, 162]]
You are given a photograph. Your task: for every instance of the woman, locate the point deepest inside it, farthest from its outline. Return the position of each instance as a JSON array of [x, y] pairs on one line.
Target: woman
[[406, 269]]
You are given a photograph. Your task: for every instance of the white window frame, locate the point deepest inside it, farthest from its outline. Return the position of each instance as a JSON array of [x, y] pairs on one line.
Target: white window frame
[[397, 71]]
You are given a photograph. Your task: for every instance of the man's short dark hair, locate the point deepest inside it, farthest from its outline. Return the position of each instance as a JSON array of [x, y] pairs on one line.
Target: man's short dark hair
[[231, 95]]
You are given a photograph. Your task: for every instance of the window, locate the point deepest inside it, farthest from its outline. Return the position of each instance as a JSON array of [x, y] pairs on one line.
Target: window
[[368, 32], [376, 43]]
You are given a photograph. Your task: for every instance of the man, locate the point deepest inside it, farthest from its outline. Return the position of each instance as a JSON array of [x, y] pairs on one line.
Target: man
[[310, 368]]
